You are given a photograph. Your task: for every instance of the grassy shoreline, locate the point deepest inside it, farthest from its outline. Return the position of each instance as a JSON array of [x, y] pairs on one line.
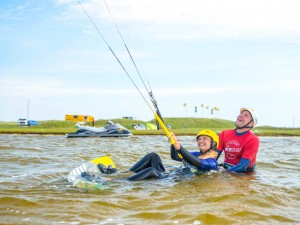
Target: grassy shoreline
[[180, 126]]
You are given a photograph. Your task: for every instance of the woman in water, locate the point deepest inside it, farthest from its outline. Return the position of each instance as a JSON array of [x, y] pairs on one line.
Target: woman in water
[[204, 159]]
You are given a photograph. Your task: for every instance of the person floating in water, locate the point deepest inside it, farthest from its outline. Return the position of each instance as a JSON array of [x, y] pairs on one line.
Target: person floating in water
[[204, 159]]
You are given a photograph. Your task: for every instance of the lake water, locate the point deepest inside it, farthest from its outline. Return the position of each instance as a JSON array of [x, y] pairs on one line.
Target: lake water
[[34, 187]]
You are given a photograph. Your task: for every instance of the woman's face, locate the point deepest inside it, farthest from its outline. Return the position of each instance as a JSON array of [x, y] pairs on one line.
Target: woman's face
[[204, 143]]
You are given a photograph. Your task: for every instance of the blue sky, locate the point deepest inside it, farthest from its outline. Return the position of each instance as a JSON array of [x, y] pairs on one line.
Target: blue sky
[[226, 54]]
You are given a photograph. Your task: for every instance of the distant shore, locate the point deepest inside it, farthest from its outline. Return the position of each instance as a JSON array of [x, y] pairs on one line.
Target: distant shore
[[180, 126]]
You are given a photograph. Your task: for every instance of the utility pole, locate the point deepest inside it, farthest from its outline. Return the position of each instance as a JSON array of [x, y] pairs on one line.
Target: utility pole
[[293, 121], [28, 110]]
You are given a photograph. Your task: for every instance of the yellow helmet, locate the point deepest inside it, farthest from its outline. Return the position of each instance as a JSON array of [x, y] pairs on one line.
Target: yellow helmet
[[212, 135]]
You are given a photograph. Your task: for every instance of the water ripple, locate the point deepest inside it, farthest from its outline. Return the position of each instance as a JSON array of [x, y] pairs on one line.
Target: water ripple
[[34, 187]]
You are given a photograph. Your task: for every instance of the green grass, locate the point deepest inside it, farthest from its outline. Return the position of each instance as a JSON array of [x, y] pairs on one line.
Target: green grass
[[180, 126], [276, 131]]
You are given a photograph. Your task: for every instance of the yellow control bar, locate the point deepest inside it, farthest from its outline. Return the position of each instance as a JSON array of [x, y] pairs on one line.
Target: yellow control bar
[[165, 129]]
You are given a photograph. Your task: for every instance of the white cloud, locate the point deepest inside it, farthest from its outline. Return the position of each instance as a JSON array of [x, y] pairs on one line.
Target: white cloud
[[209, 19], [18, 87], [13, 13]]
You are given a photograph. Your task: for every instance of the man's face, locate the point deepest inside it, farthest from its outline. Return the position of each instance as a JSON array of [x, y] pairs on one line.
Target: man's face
[[243, 119]]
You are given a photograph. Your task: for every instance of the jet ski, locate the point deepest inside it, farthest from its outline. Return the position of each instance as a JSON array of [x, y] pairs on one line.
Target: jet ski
[[110, 130]]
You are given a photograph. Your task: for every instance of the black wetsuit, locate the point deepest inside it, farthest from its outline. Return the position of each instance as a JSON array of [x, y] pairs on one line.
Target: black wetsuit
[[150, 166]]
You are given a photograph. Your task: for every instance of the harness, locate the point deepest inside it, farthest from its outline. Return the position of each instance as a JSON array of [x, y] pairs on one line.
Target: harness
[[210, 153]]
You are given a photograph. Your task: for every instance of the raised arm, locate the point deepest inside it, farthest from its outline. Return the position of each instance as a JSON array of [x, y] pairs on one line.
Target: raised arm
[[178, 153]]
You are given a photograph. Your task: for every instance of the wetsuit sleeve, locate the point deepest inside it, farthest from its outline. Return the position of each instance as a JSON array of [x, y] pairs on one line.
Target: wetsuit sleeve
[[221, 144], [219, 153], [241, 166], [174, 154], [204, 164]]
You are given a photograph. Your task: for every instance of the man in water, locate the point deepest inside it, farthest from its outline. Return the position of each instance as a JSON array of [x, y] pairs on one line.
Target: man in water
[[240, 144]]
